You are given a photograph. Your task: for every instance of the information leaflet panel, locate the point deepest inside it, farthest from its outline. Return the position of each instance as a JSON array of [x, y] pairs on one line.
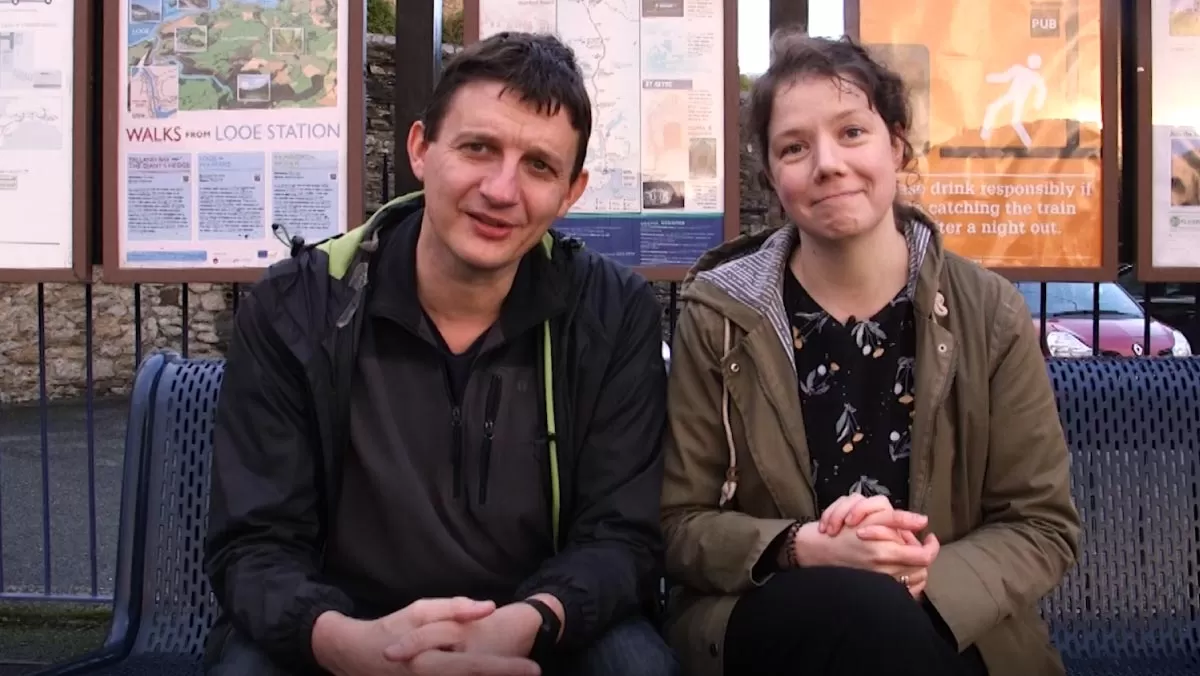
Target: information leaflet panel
[[237, 124], [45, 164]]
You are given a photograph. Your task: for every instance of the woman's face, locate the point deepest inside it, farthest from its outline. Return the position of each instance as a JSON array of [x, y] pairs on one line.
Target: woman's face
[[831, 158]]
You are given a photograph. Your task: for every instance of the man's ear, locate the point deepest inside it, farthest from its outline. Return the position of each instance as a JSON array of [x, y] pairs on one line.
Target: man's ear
[[417, 147], [574, 192]]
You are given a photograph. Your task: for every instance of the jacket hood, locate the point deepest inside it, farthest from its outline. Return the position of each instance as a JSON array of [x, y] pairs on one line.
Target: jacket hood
[[733, 249], [743, 279], [343, 250], [918, 225], [354, 251]]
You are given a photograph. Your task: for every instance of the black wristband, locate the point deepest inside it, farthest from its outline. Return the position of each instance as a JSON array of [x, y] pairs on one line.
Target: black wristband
[[547, 636]]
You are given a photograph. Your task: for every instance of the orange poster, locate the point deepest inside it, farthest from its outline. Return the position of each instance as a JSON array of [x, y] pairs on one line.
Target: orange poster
[[1006, 113]]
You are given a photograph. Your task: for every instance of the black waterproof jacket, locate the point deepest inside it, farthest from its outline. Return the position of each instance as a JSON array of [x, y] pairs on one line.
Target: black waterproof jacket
[[282, 431]]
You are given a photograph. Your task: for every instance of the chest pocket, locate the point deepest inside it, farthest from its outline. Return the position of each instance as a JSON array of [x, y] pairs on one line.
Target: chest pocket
[[517, 475]]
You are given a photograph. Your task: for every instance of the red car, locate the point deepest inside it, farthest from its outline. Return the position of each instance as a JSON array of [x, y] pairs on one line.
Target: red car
[[1069, 327]]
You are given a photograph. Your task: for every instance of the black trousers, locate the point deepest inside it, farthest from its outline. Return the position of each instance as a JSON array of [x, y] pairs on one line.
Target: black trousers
[[228, 653], [840, 621], [630, 648]]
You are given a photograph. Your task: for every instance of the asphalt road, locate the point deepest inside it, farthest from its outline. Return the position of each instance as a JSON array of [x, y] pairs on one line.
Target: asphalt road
[[34, 474]]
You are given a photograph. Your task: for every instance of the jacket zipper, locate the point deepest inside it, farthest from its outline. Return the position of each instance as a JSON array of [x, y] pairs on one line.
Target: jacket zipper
[[457, 427], [489, 433]]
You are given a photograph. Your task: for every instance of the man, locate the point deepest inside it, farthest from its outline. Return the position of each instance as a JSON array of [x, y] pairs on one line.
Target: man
[[449, 401]]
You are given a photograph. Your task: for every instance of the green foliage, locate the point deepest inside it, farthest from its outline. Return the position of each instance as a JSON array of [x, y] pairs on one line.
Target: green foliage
[[746, 82], [381, 20], [452, 28], [381, 17]]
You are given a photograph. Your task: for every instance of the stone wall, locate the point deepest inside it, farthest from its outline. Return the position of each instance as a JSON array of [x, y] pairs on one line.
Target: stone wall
[[209, 307]]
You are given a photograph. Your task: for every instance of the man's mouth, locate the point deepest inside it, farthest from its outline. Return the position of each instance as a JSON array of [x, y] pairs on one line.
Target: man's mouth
[[490, 220]]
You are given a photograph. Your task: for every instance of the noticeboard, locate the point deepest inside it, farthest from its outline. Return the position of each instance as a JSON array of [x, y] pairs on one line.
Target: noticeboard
[[1167, 38], [223, 120], [662, 161], [45, 141], [1011, 161]]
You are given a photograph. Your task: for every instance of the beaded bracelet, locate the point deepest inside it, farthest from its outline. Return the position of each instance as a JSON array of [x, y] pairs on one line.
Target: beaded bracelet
[[789, 541]]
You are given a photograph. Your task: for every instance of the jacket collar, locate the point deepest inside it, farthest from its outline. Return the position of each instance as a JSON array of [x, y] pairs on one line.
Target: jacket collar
[[927, 292], [539, 291], [743, 278]]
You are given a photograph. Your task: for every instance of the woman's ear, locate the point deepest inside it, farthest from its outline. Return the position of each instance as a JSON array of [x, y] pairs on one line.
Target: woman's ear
[[764, 179], [898, 151]]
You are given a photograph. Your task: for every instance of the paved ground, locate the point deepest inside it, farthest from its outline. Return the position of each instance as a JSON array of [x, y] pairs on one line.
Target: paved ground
[[24, 478], [24, 534]]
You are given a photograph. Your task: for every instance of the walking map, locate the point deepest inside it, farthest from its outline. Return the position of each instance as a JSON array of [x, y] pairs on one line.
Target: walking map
[[196, 55], [236, 115]]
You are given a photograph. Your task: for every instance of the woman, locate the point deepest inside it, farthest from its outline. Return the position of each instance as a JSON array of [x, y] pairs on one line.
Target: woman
[[865, 471]]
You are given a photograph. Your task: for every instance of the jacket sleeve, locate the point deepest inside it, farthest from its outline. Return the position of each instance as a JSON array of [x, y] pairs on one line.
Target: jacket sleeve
[[261, 551], [1029, 536], [613, 541], [711, 550]]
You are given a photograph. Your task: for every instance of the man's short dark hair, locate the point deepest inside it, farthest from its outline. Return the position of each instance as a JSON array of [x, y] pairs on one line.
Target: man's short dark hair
[[538, 67]]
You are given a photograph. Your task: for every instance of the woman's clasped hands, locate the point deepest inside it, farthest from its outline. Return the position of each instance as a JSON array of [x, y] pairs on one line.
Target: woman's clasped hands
[[870, 534]]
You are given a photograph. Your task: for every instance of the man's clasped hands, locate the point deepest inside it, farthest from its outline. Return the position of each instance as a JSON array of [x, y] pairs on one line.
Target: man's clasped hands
[[436, 636], [869, 534], [460, 636]]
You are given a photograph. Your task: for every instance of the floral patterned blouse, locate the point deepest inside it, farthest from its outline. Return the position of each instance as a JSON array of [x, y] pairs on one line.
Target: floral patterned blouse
[[856, 393]]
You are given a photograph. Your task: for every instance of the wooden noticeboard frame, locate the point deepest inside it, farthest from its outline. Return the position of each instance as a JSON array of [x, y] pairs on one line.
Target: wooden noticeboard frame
[[731, 114], [81, 163], [1110, 46], [1147, 271], [355, 135]]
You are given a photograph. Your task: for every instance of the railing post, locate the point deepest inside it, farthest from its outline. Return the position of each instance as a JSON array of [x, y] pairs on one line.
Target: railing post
[[418, 61], [789, 13]]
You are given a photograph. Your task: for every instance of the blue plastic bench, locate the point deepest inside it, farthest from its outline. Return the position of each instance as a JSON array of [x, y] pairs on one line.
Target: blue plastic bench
[[1132, 606], [162, 605]]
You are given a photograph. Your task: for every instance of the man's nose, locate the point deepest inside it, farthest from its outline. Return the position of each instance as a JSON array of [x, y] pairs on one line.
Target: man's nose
[[500, 185]]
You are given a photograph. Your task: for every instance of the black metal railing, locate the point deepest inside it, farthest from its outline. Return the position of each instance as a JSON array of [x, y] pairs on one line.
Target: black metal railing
[[61, 454]]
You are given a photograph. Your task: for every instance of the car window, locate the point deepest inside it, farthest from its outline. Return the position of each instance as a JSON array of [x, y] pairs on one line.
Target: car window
[[1128, 280], [1076, 298]]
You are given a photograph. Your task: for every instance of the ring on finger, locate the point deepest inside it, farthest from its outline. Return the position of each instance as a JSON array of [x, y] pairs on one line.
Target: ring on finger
[[904, 580]]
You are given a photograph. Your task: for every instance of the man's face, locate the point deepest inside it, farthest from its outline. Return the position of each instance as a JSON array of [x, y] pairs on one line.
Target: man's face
[[497, 177]]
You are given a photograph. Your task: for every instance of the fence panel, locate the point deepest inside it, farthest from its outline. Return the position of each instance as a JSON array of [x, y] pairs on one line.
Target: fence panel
[[70, 353]]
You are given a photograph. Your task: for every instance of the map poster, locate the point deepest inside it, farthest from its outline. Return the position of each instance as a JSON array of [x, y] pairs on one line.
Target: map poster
[[1011, 161], [234, 125], [1168, 124], [662, 159], [45, 164]]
